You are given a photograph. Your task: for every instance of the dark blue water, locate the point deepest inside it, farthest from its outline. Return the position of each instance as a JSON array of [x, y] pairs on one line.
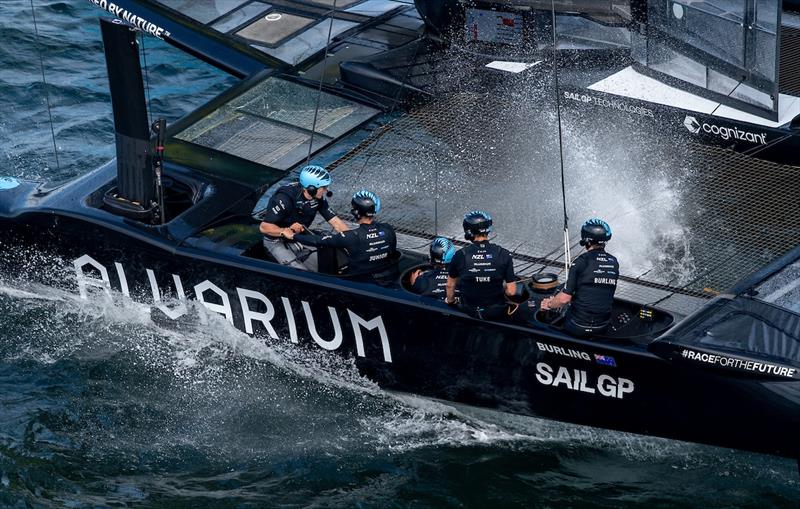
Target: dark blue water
[[101, 407]]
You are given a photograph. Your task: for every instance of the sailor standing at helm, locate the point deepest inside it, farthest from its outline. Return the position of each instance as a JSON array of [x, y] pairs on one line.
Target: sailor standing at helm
[[370, 246], [291, 210], [591, 284], [433, 282], [483, 271]]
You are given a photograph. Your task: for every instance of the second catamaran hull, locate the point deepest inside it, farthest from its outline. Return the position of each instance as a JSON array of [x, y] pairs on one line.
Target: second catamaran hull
[[405, 343]]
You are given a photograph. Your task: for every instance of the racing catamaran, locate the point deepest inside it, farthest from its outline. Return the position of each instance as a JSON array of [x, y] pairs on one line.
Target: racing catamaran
[[170, 219]]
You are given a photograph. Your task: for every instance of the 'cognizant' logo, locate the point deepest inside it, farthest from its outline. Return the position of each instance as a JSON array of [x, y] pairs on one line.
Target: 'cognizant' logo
[[726, 133], [692, 124]]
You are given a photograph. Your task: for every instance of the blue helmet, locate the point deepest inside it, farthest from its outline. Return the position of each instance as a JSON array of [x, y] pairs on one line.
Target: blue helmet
[[442, 250], [476, 222], [313, 177], [595, 231], [365, 204]]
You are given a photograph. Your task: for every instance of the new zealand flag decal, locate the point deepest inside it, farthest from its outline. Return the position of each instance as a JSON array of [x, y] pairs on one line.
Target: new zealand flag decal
[[382, 233], [488, 257], [605, 360]]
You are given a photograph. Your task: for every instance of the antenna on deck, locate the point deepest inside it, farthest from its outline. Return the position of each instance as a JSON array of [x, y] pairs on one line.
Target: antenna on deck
[[159, 127], [567, 253], [46, 87], [321, 81]]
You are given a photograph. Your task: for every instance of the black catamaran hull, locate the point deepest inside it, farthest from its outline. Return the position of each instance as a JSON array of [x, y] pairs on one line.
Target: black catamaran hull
[[68, 236], [409, 344]]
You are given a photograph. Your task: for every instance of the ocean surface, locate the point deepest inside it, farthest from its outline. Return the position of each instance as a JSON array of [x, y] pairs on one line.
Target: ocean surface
[[102, 407]]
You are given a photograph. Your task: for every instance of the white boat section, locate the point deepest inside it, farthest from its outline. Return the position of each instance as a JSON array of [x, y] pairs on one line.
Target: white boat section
[[512, 67], [630, 83], [783, 288]]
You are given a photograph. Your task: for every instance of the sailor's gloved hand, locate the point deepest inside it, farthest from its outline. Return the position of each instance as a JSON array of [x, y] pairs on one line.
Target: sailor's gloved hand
[[455, 302], [297, 228], [287, 234]]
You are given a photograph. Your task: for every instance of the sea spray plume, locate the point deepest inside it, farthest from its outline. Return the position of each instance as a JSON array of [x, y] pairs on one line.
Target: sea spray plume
[[206, 368], [498, 151], [197, 364]]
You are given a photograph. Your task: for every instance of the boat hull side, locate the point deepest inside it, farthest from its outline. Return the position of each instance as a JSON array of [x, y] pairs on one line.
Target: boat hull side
[[404, 343]]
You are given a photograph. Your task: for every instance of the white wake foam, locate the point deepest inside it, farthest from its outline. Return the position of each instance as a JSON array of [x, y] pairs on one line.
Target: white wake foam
[[197, 355]]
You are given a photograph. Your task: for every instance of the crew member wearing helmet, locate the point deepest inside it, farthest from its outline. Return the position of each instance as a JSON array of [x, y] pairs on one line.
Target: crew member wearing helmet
[[591, 284], [433, 282], [369, 246], [291, 210], [483, 271]]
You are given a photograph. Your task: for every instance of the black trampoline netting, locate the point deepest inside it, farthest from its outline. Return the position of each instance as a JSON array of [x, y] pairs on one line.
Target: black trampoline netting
[[684, 215]]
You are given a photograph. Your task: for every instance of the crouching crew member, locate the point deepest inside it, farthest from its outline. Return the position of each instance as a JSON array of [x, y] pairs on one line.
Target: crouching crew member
[[591, 284], [433, 282], [483, 271], [369, 246], [291, 210]]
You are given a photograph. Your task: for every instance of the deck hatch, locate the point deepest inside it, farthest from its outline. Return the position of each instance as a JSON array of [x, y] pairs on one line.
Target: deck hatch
[[274, 27], [307, 42], [293, 104], [241, 16], [340, 4], [203, 11], [371, 8], [271, 123]]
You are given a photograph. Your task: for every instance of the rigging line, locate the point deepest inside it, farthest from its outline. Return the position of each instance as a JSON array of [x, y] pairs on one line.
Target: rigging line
[[147, 83], [549, 262], [436, 203], [571, 247], [321, 81], [760, 148], [514, 251], [709, 271], [720, 105], [567, 259], [659, 301], [576, 243], [547, 256], [706, 273], [393, 107], [734, 89], [648, 271], [46, 88]]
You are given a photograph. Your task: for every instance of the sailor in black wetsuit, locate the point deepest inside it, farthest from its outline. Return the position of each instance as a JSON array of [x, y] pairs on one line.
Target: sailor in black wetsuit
[[433, 282], [370, 246], [591, 284], [483, 271], [291, 210]]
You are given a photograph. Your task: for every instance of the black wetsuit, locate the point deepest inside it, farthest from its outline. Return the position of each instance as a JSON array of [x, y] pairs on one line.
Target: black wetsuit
[[368, 247], [591, 283], [483, 269], [432, 283], [289, 205]]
